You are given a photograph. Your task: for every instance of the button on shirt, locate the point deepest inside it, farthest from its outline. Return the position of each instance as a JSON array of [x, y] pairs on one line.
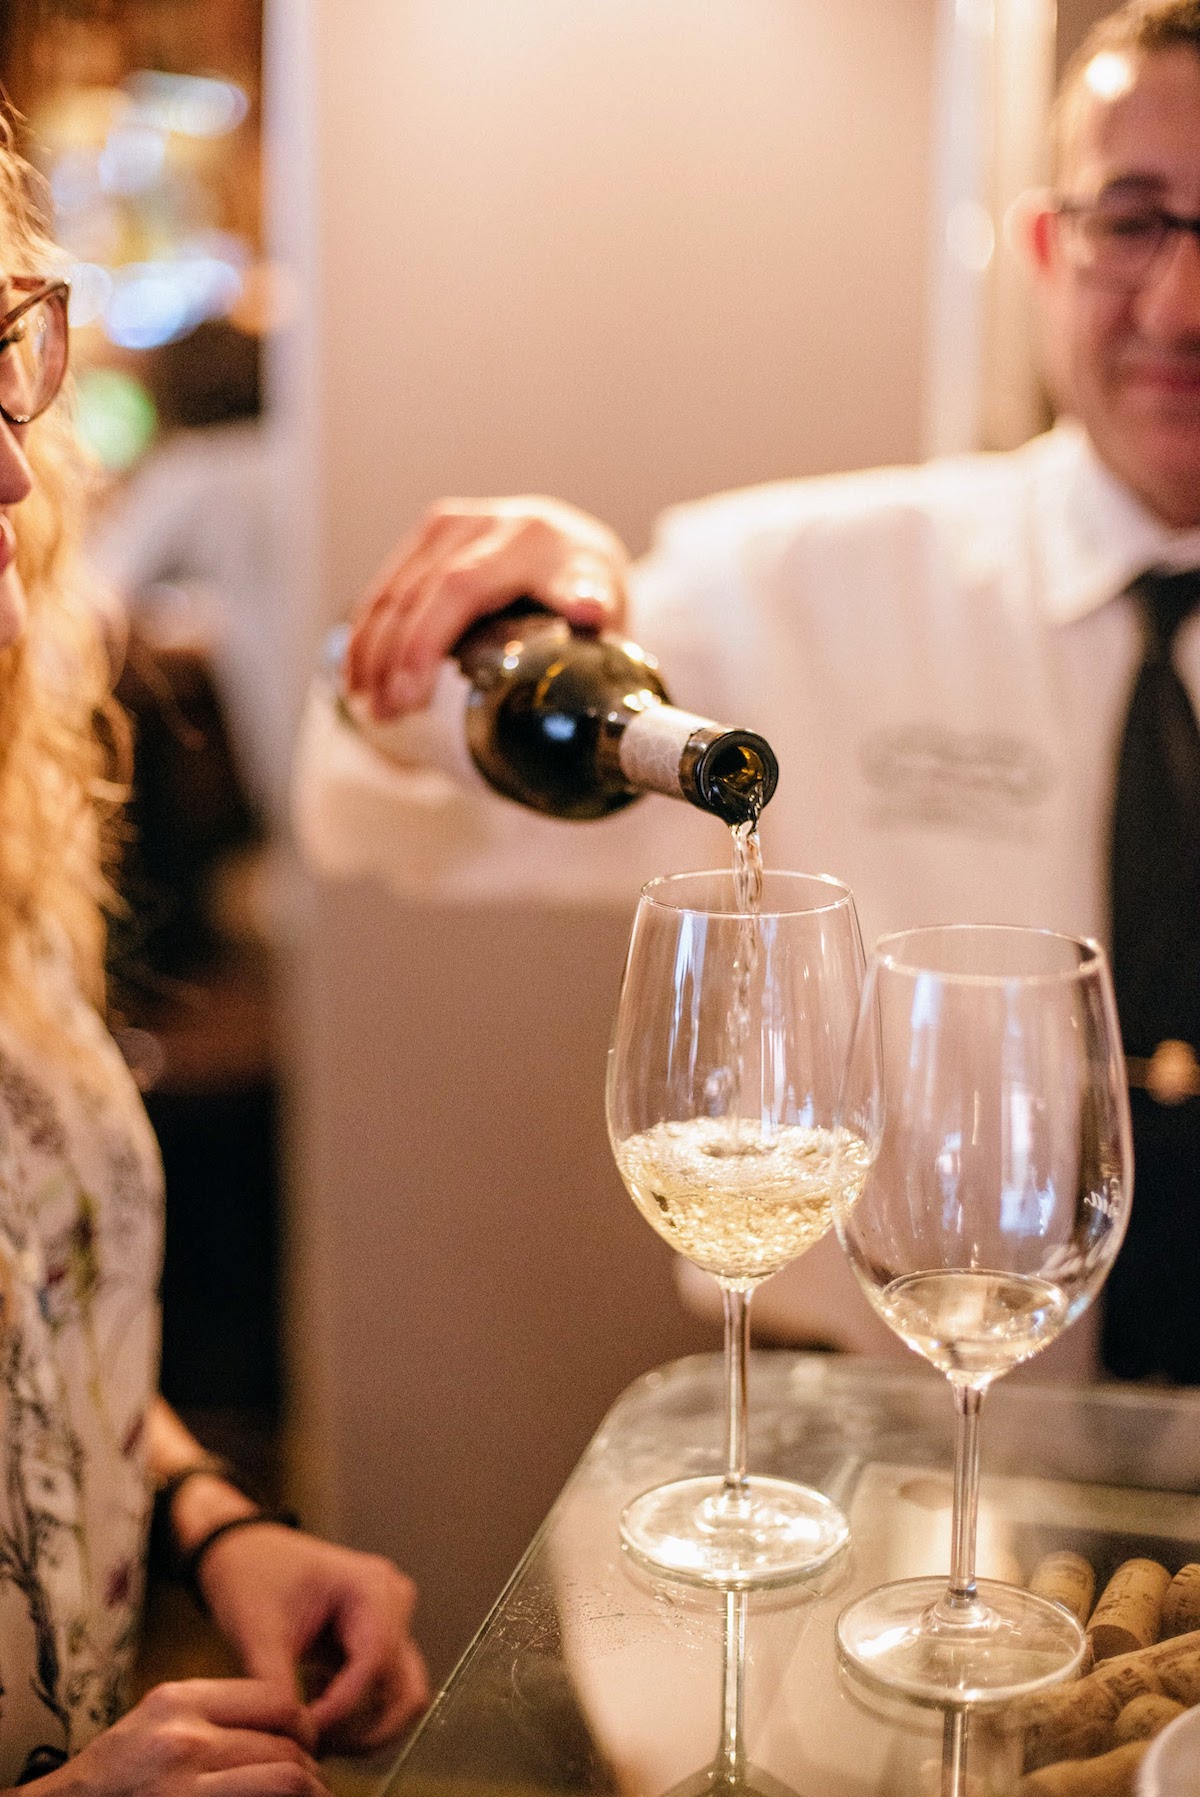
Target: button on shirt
[[941, 658]]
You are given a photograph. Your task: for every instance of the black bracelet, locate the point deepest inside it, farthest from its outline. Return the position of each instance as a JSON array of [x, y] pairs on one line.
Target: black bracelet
[[190, 1562], [164, 1553]]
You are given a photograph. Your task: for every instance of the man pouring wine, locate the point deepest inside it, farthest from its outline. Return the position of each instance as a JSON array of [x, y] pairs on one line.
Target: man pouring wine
[[979, 676]]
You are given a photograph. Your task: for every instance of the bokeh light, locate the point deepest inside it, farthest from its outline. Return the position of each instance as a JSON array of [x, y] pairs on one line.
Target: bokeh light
[[115, 416]]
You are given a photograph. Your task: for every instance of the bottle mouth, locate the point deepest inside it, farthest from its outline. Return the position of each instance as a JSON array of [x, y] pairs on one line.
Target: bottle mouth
[[736, 774]]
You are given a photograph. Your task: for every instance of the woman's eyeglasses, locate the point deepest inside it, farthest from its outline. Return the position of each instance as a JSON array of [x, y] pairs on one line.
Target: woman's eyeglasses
[[33, 350]]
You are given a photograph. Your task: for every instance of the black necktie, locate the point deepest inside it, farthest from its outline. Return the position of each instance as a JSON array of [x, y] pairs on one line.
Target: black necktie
[[1152, 1300]]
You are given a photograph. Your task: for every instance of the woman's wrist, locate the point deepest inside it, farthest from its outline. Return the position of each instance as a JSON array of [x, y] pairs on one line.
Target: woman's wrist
[[195, 1560], [204, 1503], [196, 1505], [192, 1498]]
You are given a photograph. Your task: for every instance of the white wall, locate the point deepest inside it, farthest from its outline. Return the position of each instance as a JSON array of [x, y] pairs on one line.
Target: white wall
[[992, 91], [627, 251]]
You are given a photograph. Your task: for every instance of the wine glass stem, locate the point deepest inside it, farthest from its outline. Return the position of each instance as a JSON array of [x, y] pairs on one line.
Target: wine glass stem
[[954, 1753], [968, 1401], [737, 1351], [733, 1688]]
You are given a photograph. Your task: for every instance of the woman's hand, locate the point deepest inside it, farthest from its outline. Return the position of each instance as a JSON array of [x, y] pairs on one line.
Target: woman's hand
[[279, 1597], [466, 559], [203, 1737]]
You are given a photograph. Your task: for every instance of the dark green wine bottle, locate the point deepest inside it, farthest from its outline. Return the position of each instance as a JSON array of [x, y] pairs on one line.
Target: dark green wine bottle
[[578, 723]]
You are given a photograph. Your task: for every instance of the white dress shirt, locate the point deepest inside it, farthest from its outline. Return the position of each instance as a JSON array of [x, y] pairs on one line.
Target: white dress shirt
[[941, 658]]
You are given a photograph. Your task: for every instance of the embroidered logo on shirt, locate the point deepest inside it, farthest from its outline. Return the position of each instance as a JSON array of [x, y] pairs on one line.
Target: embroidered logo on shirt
[[985, 782]]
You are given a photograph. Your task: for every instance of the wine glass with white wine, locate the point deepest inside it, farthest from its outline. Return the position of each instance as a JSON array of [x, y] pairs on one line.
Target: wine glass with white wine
[[730, 1039], [985, 1091]]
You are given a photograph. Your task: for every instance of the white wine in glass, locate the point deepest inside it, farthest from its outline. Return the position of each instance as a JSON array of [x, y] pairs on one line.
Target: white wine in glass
[[985, 1091], [730, 1038]]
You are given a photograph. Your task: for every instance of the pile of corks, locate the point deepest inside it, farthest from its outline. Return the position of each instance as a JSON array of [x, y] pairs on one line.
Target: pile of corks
[[1087, 1739]]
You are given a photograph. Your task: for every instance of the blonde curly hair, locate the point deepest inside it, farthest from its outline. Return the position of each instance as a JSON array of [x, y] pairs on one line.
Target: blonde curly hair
[[59, 728]]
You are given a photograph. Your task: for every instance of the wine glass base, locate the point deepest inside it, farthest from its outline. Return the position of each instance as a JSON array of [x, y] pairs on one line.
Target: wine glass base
[[1015, 1643], [719, 1781], [772, 1532]]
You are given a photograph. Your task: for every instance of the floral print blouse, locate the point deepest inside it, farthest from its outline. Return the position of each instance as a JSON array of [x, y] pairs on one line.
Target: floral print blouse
[[80, 1248]]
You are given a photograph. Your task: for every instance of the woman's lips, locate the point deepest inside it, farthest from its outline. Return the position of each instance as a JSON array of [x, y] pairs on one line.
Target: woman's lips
[[8, 542]]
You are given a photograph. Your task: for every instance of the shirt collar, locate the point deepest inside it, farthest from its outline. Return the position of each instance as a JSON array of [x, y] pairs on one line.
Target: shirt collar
[[1096, 537]]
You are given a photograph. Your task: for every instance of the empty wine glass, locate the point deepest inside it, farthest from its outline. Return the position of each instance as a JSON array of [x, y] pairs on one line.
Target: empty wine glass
[[728, 1048], [986, 1093]]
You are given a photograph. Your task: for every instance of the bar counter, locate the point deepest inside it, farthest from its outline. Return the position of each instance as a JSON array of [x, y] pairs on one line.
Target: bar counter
[[592, 1676]]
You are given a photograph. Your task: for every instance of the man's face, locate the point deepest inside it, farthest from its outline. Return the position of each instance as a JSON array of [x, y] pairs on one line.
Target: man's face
[[1126, 360]]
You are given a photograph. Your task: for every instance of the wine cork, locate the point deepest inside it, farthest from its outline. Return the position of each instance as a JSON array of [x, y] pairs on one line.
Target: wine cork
[[1180, 1678], [1067, 1579], [1075, 1720], [1114, 1774], [1129, 1613], [1143, 1718], [1181, 1606]]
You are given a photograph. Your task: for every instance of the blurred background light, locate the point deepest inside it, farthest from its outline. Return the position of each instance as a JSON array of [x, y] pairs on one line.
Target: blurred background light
[[132, 159], [95, 233], [74, 180], [153, 303], [193, 105], [116, 417], [155, 203], [91, 286]]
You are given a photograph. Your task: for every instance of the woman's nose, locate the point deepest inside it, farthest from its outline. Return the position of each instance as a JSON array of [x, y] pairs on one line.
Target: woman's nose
[[16, 476]]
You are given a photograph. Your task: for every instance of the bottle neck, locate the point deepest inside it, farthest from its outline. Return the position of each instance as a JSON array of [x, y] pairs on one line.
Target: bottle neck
[[731, 773], [650, 749]]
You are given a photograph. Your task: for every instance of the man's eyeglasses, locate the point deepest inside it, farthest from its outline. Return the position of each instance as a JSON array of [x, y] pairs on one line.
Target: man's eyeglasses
[[1119, 244], [33, 349]]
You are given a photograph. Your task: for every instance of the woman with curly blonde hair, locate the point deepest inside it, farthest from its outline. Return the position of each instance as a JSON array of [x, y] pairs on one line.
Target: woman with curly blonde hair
[[54, 674], [84, 1440]]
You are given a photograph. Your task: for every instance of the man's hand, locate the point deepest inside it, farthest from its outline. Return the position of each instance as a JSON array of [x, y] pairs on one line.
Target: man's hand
[[203, 1737], [466, 559], [279, 1596]]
